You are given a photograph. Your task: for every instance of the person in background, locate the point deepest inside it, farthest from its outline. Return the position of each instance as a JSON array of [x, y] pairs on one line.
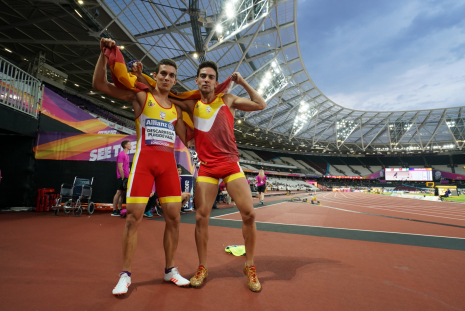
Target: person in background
[[217, 199], [151, 203], [445, 195], [261, 185], [122, 173]]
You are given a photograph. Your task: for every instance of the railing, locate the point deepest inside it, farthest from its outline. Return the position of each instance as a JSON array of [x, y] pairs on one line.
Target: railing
[[18, 89]]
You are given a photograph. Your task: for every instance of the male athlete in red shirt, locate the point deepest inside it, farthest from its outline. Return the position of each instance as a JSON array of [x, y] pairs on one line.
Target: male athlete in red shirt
[[216, 147]]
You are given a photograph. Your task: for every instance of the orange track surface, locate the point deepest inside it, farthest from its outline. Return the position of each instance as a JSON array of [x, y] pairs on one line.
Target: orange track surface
[[72, 263]]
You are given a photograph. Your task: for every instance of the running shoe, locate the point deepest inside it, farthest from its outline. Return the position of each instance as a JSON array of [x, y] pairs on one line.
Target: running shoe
[[176, 278], [251, 273], [116, 213], [123, 284], [148, 214], [261, 202], [199, 277]]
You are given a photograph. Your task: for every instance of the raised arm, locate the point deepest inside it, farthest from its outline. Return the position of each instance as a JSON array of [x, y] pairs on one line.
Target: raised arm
[[100, 82], [256, 102], [137, 71], [185, 105]]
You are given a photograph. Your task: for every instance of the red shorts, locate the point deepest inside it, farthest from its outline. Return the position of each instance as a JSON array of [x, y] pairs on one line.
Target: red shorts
[[149, 166], [212, 173]]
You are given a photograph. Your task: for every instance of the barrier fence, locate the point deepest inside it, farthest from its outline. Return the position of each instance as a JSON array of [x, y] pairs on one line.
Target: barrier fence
[[18, 89]]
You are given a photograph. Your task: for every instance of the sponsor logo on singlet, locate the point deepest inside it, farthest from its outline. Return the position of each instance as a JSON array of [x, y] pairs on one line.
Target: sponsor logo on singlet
[[162, 115], [209, 109], [160, 133], [151, 103]]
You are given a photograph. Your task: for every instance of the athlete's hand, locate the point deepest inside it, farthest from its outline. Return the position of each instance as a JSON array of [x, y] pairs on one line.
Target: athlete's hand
[[106, 43], [237, 78], [137, 68]]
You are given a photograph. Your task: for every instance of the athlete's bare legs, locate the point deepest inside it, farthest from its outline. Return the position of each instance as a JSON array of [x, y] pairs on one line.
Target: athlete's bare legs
[[239, 191], [134, 215], [205, 195], [171, 212]]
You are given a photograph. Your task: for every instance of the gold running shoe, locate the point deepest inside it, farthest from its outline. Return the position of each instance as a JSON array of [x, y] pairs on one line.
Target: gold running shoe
[[199, 277], [251, 273]]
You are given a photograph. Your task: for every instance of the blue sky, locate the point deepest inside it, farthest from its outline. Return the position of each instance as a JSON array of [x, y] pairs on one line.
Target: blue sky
[[385, 55]]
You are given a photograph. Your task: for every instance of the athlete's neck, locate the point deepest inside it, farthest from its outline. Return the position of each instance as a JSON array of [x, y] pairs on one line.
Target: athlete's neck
[[161, 97], [207, 97]]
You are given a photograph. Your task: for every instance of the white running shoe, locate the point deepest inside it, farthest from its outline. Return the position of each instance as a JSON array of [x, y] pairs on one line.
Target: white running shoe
[[176, 278], [123, 284]]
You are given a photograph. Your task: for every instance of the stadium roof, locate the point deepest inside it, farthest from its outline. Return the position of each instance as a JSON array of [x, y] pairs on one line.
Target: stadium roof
[[258, 38]]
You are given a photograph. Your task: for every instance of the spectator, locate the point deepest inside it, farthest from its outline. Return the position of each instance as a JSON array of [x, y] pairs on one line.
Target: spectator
[[261, 185], [445, 195], [122, 173]]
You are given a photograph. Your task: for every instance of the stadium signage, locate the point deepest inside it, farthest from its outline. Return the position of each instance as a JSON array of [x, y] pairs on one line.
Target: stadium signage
[[343, 177]]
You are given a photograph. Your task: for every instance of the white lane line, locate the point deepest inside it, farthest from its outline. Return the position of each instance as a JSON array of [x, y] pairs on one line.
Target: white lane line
[[348, 229], [216, 217], [412, 203], [404, 211], [418, 208]]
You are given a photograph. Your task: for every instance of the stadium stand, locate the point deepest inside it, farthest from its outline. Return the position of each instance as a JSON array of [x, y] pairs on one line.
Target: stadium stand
[[294, 162]]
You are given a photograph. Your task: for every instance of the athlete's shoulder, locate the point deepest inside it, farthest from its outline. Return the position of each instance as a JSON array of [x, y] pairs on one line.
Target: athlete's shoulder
[[228, 99]]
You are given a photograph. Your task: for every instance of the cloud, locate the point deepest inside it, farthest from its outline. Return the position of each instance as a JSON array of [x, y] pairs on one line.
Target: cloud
[[423, 87], [375, 54]]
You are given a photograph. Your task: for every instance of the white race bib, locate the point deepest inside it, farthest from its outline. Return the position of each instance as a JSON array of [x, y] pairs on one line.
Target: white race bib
[[159, 133]]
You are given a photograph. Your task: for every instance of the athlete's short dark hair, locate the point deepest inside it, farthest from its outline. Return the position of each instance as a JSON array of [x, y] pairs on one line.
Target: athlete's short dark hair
[[208, 64], [169, 62], [179, 166], [124, 143]]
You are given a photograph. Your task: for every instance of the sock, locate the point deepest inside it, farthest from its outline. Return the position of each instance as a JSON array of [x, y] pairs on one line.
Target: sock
[[168, 270], [127, 272]]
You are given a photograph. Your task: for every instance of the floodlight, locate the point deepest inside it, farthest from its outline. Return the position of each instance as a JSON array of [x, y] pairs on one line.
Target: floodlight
[[219, 28]]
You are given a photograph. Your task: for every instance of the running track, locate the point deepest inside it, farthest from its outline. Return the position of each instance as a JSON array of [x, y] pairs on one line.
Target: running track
[[354, 252]]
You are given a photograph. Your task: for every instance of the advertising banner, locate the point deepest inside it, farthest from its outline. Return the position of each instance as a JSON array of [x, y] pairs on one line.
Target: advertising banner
[[437, 175], [187, 186], [343, 177], [60, 109], [96, 147], [375, 175], [81, 147]]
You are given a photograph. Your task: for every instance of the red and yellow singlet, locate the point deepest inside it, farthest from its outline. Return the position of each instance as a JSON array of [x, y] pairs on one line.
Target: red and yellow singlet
[[215, 142], [154, 157]]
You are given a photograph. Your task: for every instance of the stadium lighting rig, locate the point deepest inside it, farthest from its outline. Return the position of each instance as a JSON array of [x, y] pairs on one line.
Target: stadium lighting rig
[[344, 128], [271, 80], [456, 127], [397, 130], [237, 15], [304, 115]]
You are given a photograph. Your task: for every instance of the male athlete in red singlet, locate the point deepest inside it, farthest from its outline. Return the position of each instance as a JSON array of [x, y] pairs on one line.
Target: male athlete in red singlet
[[156, 124], [217, 150]]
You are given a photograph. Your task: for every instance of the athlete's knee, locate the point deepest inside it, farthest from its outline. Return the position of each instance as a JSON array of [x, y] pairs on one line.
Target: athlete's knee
[[172, 219], [202, 216], [248, 216], [132, 221]]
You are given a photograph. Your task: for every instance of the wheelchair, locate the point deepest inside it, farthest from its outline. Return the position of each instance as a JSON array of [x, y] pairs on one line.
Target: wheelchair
[[76, 197]]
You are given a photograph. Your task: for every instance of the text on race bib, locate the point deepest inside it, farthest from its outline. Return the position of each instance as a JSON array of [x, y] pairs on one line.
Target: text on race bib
[[159, 133]]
